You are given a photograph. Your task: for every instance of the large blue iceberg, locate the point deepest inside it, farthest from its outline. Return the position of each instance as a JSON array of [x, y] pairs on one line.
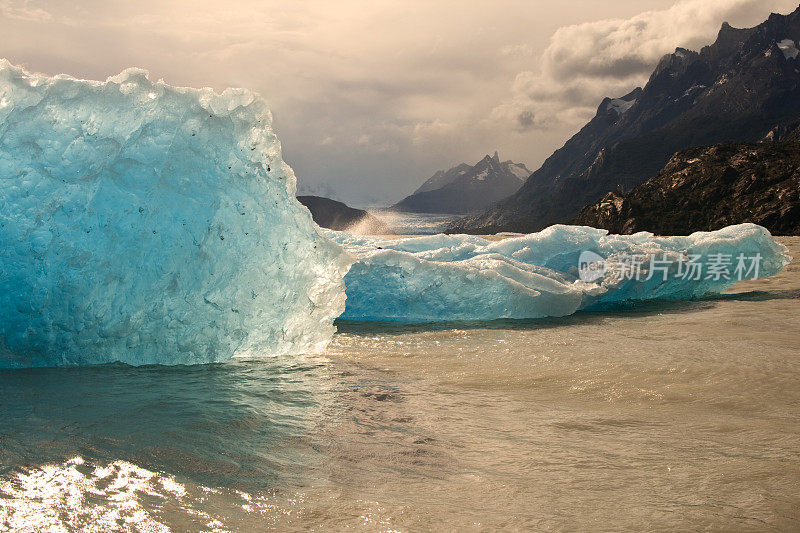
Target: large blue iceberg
[[552, 273], [146, 223]]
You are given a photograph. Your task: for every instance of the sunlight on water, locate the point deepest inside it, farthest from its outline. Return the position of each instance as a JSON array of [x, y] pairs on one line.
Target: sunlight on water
[[680, 415], [94, 499], [414, 223]]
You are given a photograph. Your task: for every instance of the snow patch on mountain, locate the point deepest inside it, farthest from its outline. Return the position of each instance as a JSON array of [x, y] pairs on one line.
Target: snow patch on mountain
[[620, 106], [789, 48], [520, 171], [693, 88]]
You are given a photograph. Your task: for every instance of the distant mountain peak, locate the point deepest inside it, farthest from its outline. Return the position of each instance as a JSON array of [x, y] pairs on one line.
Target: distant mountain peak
[[726, 31], [465, 188], [491, 159]]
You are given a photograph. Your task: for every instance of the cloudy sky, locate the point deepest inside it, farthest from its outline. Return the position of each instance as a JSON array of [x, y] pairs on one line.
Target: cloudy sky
[[371, 97]]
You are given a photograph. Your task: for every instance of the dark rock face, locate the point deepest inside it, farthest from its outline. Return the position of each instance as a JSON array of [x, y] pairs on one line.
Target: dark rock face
[[737, 90], [465, 188], [704, 189], [336, 215]]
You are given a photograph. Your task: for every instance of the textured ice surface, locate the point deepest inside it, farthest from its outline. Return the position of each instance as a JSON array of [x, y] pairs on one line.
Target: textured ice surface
[[463, 277], [146, 223]]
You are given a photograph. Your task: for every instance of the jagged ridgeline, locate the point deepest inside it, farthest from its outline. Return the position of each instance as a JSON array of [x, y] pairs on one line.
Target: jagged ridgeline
[[740, 89], [466, 188]]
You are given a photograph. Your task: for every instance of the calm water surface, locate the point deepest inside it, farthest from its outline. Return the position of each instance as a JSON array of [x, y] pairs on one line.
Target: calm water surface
[[670, 416]]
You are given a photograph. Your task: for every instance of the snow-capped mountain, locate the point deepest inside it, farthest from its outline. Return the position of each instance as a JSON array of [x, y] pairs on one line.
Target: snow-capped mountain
[[465, 188], [738, 89]]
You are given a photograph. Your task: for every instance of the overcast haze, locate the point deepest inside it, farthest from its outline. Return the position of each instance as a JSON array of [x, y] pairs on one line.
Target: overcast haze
[[370, 98]]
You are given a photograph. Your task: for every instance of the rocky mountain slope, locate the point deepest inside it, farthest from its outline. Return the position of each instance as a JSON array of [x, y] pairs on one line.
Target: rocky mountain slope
[[703, 189], [737, 90], [465, 188], [331, 214]]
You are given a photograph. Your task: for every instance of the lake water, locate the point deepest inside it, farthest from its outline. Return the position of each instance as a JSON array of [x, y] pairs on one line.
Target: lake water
[[670, 416], [413, 223]]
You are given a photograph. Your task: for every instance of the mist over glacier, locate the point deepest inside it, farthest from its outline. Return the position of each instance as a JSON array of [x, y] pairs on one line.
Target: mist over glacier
[[145, 223]]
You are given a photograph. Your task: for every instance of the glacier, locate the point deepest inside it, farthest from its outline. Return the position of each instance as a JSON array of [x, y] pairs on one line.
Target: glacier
[[445, 278], [145, 223]]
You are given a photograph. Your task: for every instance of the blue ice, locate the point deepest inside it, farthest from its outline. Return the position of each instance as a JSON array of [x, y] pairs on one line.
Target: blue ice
[[463, 277], [145, 223]]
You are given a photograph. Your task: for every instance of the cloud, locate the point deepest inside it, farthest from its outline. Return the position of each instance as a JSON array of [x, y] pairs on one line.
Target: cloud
[[525, 119], [524, 50], [373, 97], [585, 62], [16, 10]]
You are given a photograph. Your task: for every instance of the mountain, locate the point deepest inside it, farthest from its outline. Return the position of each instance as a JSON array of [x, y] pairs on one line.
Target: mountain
[[331, 214], [703, 189], [737, 90], [465, 188]]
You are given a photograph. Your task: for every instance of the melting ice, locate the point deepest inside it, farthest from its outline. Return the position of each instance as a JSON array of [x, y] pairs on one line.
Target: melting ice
[[463, 277], [146, 223]]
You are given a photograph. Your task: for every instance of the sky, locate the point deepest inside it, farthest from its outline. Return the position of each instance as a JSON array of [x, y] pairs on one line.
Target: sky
[[370, 98]]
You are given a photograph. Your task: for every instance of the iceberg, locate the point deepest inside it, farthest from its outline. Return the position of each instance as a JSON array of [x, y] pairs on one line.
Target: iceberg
[[465, 278], [145, 223], [149, 224]]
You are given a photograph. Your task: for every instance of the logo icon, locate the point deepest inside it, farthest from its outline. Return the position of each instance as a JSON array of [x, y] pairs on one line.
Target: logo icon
[[591, 266]]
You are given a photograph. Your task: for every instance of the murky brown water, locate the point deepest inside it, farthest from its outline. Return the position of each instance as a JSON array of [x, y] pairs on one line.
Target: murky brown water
[[674, 416]]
